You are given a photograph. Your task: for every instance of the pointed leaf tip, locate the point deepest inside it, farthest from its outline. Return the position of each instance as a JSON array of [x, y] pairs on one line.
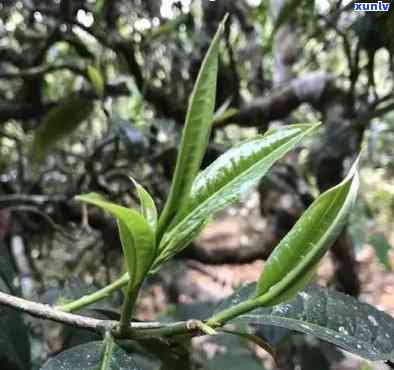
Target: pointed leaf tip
[[147, 204], [294, 260], [196, 132]]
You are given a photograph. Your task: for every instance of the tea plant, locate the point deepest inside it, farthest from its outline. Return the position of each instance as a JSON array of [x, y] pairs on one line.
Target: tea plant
[[281, 296]]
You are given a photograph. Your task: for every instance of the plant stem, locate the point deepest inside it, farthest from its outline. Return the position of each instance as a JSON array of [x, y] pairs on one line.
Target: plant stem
[[128, 307], [108, 349], [170, 329], [226, 315], [96, 296], [47, 312]]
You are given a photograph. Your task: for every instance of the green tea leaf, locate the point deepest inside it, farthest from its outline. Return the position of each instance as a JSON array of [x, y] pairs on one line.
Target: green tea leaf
[[196, 132], [59, 123], [96, 79], [174, 355], [230, 361], [148, 207], [237, 355], [226, 179], [334, 317], [89, 357], [294, 260], [137, 237]]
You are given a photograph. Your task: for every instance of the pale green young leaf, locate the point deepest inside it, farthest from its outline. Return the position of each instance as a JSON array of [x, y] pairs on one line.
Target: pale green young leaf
[[225, 180], [96, 79], [136, 235], [148, 207], [295, 258], [196, 132]]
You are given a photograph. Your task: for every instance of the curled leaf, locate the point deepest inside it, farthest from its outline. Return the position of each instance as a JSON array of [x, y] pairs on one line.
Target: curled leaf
[[148, 207]]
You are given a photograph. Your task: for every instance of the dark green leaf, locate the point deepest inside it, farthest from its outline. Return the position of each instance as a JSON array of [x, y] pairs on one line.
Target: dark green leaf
[[311, 354], [72, 336], [7, 271], [329, 315], [196, 132], [231, 361], [294, 260], [137, 237], [88, 357], [173, 355], [14, 339], [60, 122], [236, 355], [382, 247], [226, 179]]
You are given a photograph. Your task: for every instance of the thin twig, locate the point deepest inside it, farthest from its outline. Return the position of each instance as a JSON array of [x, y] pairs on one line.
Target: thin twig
[[41, 70], [48, 219], [12, 200], [137, 329], [48, 313]]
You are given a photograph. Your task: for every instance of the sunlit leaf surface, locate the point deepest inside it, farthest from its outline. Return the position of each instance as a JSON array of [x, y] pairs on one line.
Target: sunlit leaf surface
[[196, 132], [226, 179]]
